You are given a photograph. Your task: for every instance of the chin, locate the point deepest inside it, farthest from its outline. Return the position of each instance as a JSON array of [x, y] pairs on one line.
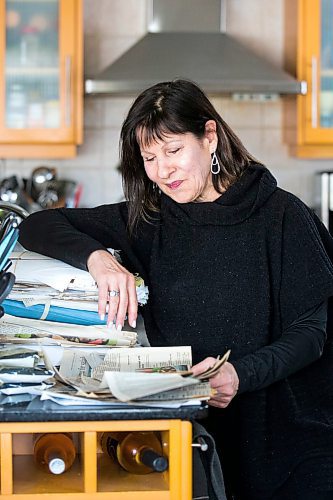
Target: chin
[[180, 198]]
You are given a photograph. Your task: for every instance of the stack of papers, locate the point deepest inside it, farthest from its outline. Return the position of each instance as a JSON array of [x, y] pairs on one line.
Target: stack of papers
[[17, 330], [143, 376], [49, 289], [19, 374], [146, 376]]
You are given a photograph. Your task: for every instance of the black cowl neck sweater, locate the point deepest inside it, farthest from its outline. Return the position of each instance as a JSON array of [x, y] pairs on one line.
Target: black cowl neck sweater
[[231, 274]]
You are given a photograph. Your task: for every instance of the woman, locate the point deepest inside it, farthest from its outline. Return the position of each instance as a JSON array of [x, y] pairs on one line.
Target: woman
[[232, 262]]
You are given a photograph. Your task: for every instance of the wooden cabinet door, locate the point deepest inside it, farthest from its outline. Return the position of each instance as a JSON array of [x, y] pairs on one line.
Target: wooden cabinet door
[[315, 66], [41, 81]]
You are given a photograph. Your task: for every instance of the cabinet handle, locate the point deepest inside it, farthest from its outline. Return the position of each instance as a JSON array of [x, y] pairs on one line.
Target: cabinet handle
[[314, 95], [325, 198], [68, 89], [201, 443]]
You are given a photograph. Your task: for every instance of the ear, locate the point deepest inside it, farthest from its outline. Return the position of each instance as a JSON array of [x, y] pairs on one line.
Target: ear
[[211, 135]]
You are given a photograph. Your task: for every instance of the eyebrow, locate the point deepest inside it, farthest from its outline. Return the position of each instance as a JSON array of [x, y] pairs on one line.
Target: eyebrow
[[166, 143]]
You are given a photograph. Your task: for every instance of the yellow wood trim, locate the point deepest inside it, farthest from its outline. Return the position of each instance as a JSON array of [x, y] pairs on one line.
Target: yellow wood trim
[[301, 66], [186, 460], [89, 457], [308, 46], [94, 426], [301, 70], [312, 38], [79, 71], [175, 445], [34, 136], [66, 51], [114, 495], [322, 136], [312, 151], [6, 461], [37, 151]]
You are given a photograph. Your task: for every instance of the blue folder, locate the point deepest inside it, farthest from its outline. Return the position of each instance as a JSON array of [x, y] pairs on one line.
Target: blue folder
[[59, 314]]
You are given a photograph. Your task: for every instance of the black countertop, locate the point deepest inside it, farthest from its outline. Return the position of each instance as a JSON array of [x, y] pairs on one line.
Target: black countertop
[[34, 410]]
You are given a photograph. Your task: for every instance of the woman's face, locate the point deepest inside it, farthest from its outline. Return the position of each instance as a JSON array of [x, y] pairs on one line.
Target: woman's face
[[180, 165]]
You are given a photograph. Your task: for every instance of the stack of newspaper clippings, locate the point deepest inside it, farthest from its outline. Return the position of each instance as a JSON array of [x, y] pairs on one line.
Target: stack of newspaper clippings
[[143, 376]]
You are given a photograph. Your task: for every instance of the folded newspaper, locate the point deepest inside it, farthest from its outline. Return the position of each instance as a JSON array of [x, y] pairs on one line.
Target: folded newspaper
[[49, 289], [34, 331], [123, 376], [144, 376]]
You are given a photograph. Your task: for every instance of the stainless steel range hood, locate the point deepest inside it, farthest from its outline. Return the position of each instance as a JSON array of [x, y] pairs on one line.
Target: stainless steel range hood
[[177, 47]]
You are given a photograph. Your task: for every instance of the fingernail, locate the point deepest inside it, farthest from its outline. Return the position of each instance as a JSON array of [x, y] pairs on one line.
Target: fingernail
[[102, 316], [119, 327], [133, 325]]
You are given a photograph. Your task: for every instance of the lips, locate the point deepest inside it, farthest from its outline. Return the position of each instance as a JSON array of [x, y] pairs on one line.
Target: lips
[[175, 184]]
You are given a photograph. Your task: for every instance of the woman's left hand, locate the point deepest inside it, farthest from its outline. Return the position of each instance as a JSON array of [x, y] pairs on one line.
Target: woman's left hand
[[225, 382]]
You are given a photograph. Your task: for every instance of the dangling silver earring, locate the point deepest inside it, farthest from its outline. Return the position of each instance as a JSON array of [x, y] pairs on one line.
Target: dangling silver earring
[[215, 165]]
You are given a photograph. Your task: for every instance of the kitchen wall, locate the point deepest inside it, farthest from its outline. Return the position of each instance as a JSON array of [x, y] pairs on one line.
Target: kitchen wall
[[113, 27]]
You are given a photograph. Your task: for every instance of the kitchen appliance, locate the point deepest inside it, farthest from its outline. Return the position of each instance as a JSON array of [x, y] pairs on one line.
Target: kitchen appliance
[[12, 191], [38, 179], [40, 191], [188, 39]]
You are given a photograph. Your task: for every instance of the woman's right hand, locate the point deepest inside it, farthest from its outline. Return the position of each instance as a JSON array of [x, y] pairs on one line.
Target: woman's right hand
[[110, 276]]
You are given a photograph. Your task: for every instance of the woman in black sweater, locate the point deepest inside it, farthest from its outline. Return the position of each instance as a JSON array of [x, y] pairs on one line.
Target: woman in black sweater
[[231, 262]]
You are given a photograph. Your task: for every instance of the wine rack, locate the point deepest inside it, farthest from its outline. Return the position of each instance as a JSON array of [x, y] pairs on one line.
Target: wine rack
[[93, 475]]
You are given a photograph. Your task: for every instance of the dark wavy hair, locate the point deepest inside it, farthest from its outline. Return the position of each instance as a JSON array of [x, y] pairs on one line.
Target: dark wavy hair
[[175, 107]]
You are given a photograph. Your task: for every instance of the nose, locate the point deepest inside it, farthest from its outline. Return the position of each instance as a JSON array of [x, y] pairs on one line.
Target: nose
[[165, 167]]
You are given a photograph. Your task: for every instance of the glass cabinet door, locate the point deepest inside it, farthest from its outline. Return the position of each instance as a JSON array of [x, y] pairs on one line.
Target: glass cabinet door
[[325, 67], [32, 66], [40, 77], [315, 66]]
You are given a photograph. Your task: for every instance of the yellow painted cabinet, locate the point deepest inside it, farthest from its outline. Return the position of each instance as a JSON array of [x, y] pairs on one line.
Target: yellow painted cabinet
[[315, 66], [41, 78], [94, 476]]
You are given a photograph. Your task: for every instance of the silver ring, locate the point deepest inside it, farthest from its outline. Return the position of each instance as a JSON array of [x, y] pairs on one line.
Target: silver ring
[[114, 293]]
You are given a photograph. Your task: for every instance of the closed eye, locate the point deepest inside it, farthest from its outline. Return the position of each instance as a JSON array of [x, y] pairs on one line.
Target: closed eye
[[174, 151], [149, 159]]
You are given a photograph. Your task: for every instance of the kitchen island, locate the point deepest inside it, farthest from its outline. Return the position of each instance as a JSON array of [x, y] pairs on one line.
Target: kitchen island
[[93, 475]]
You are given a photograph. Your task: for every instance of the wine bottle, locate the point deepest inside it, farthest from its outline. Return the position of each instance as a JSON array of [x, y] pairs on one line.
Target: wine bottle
[[139, 453], [54, 452], [109, 442]]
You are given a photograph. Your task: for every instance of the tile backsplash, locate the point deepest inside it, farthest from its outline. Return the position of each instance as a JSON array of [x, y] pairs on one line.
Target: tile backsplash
[[113, 27]]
